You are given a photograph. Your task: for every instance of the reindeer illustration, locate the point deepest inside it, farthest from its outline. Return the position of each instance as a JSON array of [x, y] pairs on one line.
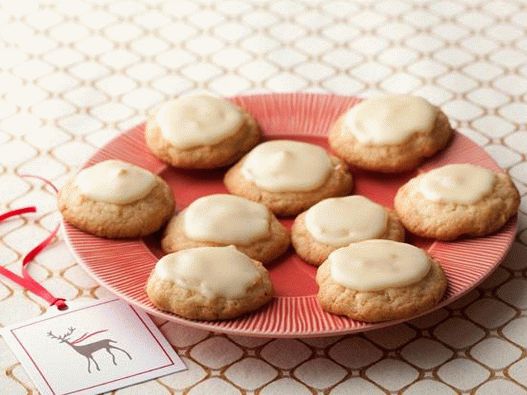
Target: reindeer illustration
[[89, 349]]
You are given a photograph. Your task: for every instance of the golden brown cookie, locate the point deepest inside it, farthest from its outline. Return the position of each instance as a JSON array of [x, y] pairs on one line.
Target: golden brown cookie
[[210, 287], [116, 219], [225, 150], [337, 182], [447, 220], [391, 303], [315, 252], [262, 239], [389, 158]]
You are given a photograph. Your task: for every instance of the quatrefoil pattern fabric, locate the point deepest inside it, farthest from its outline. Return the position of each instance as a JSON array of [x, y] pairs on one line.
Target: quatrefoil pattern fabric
[[76, 73]]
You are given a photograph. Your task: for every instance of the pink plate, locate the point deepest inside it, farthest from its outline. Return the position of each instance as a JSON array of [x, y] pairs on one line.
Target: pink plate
[[123, 266]]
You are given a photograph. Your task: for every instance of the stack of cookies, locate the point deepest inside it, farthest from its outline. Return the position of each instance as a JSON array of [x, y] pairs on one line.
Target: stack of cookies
[[218, 246]]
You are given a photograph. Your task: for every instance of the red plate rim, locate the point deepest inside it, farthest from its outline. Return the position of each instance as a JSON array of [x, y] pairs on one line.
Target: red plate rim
[[314, 113]]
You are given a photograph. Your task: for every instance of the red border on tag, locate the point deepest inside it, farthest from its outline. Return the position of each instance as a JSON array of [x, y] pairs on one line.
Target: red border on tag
[[107, 382]]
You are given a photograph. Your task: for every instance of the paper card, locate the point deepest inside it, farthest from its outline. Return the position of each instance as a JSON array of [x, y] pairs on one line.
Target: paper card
[[93, 348]]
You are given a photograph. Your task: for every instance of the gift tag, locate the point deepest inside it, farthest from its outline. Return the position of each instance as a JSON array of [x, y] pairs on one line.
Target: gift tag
[[91, 348]]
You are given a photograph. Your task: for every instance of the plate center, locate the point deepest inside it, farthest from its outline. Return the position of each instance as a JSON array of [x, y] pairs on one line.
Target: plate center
[[290, 275]]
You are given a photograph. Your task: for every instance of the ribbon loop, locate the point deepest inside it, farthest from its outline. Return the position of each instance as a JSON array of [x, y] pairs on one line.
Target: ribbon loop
[[26, 281]]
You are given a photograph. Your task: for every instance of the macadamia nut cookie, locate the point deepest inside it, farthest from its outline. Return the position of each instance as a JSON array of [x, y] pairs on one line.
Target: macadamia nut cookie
[[390, 134], [209, 283], [288, 176], [220, 220], [379, 280], [200, 132], [457, 200], [338, 222], [116, 199]]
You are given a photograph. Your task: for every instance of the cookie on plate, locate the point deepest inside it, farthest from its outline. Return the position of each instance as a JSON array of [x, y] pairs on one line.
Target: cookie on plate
[[200, 132], [455, 201], [379, 280], [288, 176], [116, 199], [338, 222], [220, 220], [209, 283], [390, 134]]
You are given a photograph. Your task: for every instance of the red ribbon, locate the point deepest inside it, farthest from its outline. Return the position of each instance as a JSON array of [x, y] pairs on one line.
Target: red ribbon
[[18, 211], [87, 335], [26, 281], [45, 181]]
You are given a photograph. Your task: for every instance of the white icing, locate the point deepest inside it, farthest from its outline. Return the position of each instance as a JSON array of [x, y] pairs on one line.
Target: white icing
[[226, 219], [375, 265], [192, 121], [457, 183], [211, 271], [341, 221], [287, 166], [390, 119], [115, 181]]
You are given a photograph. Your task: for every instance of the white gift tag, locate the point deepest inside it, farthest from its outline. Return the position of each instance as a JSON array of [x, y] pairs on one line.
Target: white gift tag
[[91, 348]]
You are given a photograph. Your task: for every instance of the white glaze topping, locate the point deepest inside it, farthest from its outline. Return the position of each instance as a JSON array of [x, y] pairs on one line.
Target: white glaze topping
[[115, 181], [192, 121], [211, 271], [457, 183], [340, 221], [390, 119], [287, 166], [375, 265], [226, 219]]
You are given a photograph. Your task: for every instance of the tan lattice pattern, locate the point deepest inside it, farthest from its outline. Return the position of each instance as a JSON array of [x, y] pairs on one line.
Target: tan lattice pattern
[[73, 74]]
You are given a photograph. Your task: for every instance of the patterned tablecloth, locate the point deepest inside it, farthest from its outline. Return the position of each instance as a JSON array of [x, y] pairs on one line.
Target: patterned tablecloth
[[74, 74]]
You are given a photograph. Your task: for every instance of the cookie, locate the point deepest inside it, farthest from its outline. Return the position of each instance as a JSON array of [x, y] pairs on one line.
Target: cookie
[[379, 280], [209, 283], [220, 220], [338, 222], [115, 199], [288, 176], [201, 132], [390, 134], [459, 200]]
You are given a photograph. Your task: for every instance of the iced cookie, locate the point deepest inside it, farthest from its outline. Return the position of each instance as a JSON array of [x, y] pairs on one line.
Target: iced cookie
[[455, 201], [116, 199], [219, 220], [379, 280], [337, 222], [200, 132], [390, 133], [288, 176], [209, 283]]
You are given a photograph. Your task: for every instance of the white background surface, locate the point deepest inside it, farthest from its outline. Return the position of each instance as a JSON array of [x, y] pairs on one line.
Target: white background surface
[[74, 74]]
